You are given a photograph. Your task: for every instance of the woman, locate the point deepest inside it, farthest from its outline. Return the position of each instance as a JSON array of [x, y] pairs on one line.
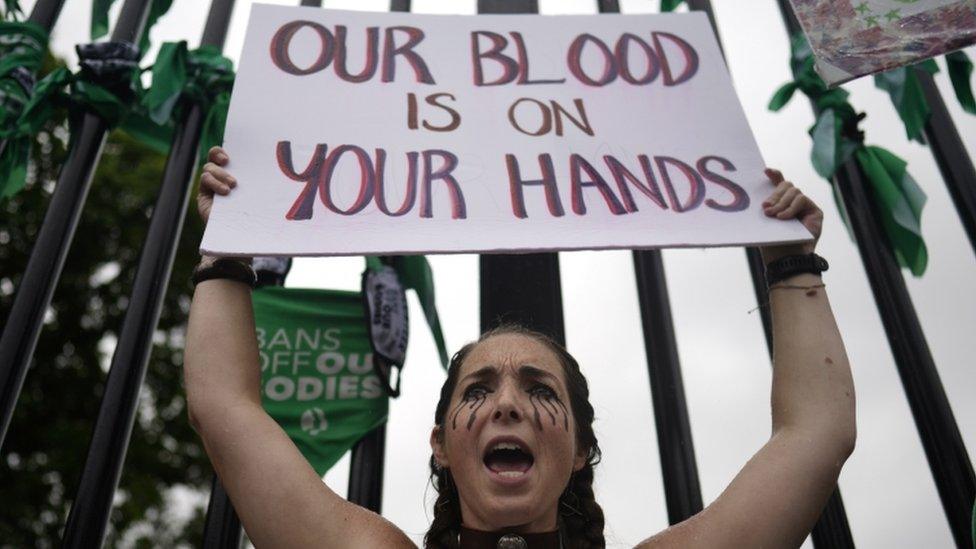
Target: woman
[[513, 442]]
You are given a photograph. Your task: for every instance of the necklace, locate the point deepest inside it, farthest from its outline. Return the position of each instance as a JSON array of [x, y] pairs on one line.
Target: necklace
[[477, 539]]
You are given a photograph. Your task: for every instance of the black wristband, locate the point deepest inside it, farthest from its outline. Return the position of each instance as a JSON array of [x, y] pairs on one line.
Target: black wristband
[[791, 265], [225, 268]]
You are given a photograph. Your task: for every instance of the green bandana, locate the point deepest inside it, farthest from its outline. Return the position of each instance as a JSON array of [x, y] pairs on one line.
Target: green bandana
[[670, 5], [317, 377], [960, 73], [99, 19], [906, 94], [22, 48], [836, 139], [204, 76]]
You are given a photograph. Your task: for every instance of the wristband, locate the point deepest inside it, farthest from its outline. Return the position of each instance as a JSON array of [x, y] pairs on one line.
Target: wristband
[[791, 265], [225, 268]]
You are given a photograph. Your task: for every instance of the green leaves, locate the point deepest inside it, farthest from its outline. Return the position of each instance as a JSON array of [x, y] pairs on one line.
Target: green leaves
[[837, 139]]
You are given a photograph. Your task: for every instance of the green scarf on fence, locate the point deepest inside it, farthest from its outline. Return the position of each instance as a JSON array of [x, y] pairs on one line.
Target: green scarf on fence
[[11, 10], [836, 139], [22, 48], [670, 5], [906, 94], [960, 70], [99, 19], [204, 76]]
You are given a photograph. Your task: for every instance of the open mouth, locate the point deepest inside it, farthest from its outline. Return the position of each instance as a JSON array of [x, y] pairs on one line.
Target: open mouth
[[509, 460]]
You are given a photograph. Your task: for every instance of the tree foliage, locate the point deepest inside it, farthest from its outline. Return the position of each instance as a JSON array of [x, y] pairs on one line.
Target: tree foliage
[[44, 452]]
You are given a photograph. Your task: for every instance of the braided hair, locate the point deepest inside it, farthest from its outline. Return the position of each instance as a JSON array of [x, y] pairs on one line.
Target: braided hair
[[581, 517]]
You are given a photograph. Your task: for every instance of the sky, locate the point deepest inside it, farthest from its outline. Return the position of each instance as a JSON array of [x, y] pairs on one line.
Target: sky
[[888, 490]]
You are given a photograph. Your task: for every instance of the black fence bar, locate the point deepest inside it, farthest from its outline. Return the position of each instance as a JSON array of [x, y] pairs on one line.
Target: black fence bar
[[366, 470], [943, 445], [23, 325], [103, 467], [832, 529], [520, 289], [950, 155], [222, 529], [682, 490], [313, 3], [45, 13]]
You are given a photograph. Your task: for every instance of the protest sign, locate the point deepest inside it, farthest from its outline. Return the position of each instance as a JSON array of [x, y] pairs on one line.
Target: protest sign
[[317, 378], [395, 133], [852, 38]]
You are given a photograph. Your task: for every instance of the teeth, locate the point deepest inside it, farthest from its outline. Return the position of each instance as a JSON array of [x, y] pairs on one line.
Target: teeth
[[511, 474], [506, 446]]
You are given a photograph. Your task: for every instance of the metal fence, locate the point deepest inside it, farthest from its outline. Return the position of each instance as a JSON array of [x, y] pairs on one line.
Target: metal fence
[[523, 289]]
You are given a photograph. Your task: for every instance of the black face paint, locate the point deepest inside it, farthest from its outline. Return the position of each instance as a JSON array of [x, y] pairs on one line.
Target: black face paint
[[548, 402], [473, 401]]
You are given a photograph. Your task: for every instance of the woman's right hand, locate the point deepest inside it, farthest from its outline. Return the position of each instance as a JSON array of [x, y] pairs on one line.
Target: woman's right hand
[[214, 180]]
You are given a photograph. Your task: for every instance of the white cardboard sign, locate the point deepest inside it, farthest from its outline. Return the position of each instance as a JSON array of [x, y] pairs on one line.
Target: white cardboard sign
[[394, 133]]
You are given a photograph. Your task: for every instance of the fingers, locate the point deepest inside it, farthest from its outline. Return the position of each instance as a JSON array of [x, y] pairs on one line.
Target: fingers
[[774, 199], [209, 184], [218, 155], [775, 176], [799, 204]]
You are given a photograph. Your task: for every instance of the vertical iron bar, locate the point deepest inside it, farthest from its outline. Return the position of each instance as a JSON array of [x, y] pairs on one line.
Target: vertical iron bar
[[312, 3], [45, 13], [937, 428], [23, 325], [832, 529], [950, 155], [523, 289], [89, 513], [682, 490], [367, 460], [366, 470], [222, 529]]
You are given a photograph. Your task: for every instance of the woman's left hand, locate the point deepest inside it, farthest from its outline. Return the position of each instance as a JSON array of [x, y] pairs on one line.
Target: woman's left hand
[[787, 202]]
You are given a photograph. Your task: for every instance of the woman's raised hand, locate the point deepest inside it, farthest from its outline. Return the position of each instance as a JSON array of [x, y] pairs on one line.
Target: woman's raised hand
[[787, 202], [214, 180]]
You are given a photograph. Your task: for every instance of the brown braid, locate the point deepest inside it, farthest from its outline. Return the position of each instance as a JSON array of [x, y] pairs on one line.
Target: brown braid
[[581, 516]]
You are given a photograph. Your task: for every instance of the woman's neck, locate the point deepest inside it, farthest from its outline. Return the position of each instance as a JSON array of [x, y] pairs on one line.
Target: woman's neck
[[507, 539]]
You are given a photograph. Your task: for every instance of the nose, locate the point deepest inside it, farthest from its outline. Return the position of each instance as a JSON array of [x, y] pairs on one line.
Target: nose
[[507, 405]]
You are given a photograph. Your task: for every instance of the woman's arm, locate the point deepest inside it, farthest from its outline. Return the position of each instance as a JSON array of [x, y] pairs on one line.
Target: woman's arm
[[778, 495], [282, 502]]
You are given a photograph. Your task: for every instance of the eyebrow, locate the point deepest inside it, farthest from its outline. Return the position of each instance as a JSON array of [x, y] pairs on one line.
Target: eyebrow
[[525, 371]]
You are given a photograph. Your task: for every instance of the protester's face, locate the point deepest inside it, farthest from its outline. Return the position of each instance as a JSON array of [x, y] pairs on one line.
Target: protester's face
[[509, 437]]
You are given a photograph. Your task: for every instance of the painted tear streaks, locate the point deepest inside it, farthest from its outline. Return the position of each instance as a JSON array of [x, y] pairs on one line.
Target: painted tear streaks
[[474, 404], [549, 404]]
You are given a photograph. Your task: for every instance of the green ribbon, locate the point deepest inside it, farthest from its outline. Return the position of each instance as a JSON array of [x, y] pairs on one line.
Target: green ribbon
[[670, 5], [415, 274], [961, 73], [836, 139], [22, 48], [99, 19], [202, 75], [906, 94], [12, 10]]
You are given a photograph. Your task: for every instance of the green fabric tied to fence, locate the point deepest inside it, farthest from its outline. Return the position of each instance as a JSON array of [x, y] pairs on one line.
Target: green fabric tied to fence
[[670, 5], [415, 274], [906, 94], [22, 49], [836, 139], [961, 73], [317, 377], [204, 76], [99, 19]]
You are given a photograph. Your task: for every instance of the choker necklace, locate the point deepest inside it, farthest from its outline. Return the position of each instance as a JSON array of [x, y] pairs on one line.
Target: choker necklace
[[476, 539]]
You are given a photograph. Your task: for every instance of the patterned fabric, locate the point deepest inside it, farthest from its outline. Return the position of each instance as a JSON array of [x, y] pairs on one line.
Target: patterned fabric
[[853, 38]]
